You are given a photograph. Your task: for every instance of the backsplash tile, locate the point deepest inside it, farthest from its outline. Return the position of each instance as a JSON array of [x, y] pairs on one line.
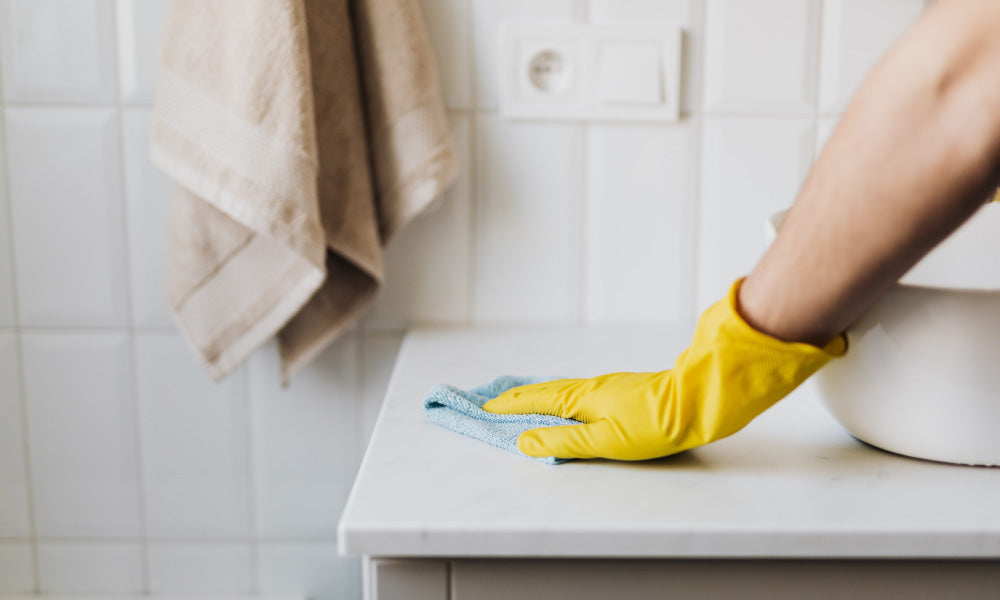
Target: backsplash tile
[[649, 171], [527, 228], [145, 476], [194, 444], [14, 521], [200, 569], [57, 50], [304, 441], [17, 568], [147, 196], [7, 318], [81, 433], [65, 190], [856, 33], [313, 571], [760, 54], [138, 46], [96, 568], [751, 168]]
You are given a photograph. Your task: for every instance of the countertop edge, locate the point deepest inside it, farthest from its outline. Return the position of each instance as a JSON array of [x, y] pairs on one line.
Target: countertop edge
[[690, 544]]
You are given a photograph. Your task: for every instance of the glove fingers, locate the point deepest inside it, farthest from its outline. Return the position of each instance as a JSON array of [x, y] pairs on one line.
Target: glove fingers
[[535, 398], [588, 440]]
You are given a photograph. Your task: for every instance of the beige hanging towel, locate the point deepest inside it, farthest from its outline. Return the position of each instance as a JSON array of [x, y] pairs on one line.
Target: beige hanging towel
[[302, 135]]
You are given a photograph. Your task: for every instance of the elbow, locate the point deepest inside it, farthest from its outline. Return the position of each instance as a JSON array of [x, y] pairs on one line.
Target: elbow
[[969, 126], [963, 84]]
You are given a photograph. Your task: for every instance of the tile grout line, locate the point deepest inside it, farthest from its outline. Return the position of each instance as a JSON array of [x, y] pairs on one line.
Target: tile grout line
[[179, 541], [29, 488], [583, 220], [819, 23], [586, 218], [388, 332], [360, 401], [77, 104], [360, 375], [129, 308], [63, 329], [476, 111], [253, 541], [360, 443], [586, 199], [693, 265], [472, 147]]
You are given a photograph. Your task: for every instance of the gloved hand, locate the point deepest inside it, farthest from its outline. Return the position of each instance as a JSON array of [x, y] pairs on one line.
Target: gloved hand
[[730, 374]]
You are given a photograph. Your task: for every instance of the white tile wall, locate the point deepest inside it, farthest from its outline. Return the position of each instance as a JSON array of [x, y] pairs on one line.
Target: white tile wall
[[14, 519], [78, 567], [65, 191], [147, 195], [194, 444], [528, 213], [81, 432], [17, 573], [311, 571], [136, 474], [138, 46], [304, 441], [58, 50], [760, 55], [7, 318], [640, 222], [855, 34], [200, 569], [751, 168]]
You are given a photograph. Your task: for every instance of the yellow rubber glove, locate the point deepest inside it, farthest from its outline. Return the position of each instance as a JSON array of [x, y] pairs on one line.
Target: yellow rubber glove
[[730, 374]]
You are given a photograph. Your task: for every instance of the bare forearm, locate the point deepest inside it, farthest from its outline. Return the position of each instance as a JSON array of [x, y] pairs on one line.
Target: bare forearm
[[914, 156]]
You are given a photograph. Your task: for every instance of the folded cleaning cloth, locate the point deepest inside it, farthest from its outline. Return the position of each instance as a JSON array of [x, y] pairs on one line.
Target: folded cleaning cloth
[[460, 410], [302, 135]]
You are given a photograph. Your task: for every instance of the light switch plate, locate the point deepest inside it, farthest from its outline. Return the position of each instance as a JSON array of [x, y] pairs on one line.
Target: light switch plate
[[630, 73], [590, 72]]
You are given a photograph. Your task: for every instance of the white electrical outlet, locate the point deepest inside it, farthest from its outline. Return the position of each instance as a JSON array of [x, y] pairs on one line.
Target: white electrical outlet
[[620, 72]]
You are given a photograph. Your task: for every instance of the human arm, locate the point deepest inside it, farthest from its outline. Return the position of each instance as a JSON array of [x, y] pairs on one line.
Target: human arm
[[913, 157]]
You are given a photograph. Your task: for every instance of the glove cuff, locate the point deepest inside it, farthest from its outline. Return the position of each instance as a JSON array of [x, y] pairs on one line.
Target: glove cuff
[[734, 372], [835, 348]]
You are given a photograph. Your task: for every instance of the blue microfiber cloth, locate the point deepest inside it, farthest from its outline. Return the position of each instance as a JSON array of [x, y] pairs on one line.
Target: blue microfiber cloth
[[459, 410]]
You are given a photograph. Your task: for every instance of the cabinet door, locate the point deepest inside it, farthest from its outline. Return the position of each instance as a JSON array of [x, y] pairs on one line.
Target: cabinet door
[[398, 579], [720, 579]]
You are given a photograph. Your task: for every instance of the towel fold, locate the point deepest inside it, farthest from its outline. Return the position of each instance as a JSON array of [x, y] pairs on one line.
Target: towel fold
[[302, 135], [460, 410]]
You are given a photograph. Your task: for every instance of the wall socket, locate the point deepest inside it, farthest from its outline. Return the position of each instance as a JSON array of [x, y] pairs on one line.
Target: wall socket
[[564, 71]]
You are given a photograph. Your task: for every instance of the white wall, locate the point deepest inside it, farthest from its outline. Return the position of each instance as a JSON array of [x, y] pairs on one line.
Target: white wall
[[124, 469]]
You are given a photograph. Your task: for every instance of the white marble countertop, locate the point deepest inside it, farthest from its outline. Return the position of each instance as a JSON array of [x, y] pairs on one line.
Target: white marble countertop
[[791, 484]]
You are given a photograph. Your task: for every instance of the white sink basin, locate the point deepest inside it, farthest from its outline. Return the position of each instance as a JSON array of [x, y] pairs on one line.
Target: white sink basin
[[922, 373]]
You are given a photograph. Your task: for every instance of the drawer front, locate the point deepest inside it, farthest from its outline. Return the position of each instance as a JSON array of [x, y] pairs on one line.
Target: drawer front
[[715, 579]]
